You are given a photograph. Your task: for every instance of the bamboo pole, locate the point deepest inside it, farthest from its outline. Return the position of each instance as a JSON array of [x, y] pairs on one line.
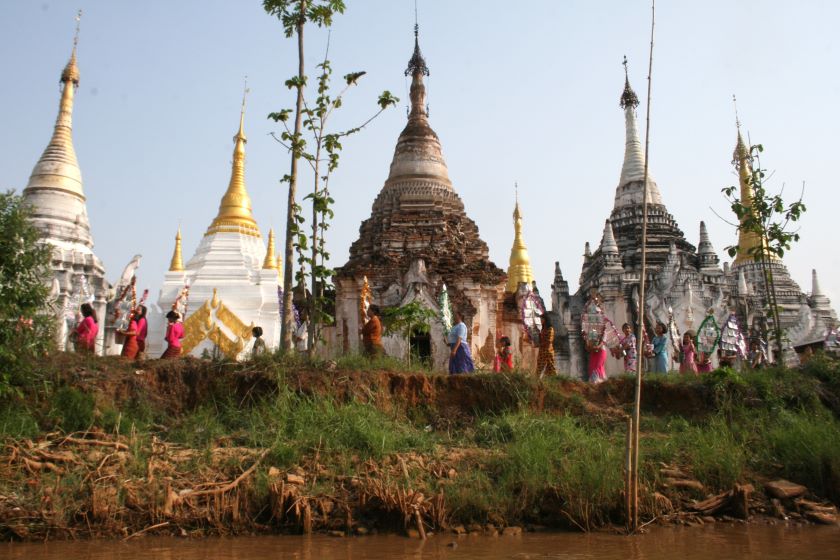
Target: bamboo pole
[[642, 281], [628, 464]]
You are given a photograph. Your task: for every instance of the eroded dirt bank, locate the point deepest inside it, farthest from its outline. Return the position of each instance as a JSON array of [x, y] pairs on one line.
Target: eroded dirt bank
[[190, 447]]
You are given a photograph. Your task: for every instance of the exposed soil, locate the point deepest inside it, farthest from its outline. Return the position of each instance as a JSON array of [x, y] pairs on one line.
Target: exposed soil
[[92, 484]]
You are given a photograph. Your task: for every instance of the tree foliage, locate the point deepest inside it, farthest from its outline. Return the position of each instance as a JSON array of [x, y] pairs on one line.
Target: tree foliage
[[25, 318], [321, 150], [771, 220], [407, 319]]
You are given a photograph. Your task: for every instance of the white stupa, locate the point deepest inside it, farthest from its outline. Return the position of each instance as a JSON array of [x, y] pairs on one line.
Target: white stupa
[[58, 209], [233, 280]]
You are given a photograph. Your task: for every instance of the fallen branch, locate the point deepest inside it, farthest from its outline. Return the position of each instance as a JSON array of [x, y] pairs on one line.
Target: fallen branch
[[96, 442], [229, 486], [146, 530]]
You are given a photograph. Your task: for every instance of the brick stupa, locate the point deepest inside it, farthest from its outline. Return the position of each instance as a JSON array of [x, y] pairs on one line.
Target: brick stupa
[[418, 238]]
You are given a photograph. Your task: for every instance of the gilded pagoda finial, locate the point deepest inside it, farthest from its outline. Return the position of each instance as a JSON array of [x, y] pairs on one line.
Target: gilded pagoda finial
[[519, 269], [71, 71], [270, 261], [177, 262], [628, 96], [235, 209]]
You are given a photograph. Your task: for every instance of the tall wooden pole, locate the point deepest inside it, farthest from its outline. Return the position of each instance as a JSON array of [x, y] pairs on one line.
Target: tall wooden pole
[[642, 281]]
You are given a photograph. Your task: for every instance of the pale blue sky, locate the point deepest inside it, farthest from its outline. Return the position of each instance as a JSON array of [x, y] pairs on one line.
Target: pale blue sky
[[518, 92]]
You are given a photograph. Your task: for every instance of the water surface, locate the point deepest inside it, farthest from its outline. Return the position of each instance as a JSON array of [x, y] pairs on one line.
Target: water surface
[[712, 542]]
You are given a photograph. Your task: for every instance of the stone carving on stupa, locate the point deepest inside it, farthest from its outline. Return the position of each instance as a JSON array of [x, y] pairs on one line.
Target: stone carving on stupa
[[59, 211], [417, 238], [682, 282], [230, 284]]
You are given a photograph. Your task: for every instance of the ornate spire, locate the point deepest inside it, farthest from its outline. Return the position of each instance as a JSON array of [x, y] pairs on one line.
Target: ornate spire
[[628, 96], [235, 208], [177, 263], [417, 69], [55, 186], [748, 241], [418, 151], [709, 261], [815, 284], [520, 263], [705, 245], [630, 189], [608, 244], [270, 261]]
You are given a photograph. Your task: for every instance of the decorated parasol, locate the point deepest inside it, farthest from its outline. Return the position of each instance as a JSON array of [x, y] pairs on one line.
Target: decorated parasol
[[182, 301], [445, 310], [674, 333], [531, 311], [124, 308], [708, 335], [732, 337], [365, 299], [593, 322]]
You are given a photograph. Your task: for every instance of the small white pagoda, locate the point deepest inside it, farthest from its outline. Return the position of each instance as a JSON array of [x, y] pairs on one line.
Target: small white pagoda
[[233, 279]]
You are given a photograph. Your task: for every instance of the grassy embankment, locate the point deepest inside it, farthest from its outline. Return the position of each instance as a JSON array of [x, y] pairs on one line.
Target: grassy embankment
[[356, 445]]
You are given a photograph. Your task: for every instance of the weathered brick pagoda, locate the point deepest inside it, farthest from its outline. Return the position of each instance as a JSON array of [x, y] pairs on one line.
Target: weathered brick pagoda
[[417, 239]]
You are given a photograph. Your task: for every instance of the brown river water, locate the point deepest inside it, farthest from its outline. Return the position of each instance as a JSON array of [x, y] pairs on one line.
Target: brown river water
[[718, 542]]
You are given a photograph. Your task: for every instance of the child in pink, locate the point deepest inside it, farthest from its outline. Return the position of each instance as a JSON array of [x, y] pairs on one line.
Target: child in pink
[[689, 352], [86, 331], [597, 361], [174, 334]]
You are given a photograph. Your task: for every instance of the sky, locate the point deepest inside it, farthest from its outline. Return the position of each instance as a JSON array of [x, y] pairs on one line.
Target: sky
[[519, 93]]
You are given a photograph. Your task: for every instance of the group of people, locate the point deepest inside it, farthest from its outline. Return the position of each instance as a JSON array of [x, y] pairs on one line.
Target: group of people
[[460, 357], [134, 334], [657, 354], [659, 359]]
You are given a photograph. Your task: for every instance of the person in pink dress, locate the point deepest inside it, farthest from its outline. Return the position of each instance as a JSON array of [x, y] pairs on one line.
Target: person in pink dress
[[174, 334], [597, 361], [142, 330], [689, 354], [86, 331], [704, 363]]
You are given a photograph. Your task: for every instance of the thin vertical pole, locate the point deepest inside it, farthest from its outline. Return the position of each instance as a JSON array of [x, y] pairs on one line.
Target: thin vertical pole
[[628, 466], [643, 278]]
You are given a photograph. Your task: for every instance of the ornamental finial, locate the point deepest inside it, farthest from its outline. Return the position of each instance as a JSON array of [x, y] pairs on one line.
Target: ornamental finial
[[628, 96], [417, 64]]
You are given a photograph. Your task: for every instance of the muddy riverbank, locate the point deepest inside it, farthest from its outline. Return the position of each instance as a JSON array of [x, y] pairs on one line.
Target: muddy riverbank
[[109, 449]]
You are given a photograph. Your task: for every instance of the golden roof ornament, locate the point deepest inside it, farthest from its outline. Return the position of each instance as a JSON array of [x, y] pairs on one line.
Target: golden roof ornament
[[235, 209], [748, 241], [177, 262], [520, 263], [270, 262]]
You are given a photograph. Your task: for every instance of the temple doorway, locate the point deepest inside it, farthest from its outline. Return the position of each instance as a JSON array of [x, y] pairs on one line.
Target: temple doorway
[[420, 345]]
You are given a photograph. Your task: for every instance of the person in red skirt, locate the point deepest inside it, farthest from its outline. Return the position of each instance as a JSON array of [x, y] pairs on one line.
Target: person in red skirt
[[130, 347], [174, 334]]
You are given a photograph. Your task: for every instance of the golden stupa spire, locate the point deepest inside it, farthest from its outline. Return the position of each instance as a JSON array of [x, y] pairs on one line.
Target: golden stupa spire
[[235, 208], [177, 263], [520, 263], [270, 261], [61, 144], [748, 241]]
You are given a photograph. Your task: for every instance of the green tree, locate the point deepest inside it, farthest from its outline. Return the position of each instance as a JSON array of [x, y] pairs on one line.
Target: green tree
[[770, 219], [405, 320], [26, 322], [294, 14], [323, 161]]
